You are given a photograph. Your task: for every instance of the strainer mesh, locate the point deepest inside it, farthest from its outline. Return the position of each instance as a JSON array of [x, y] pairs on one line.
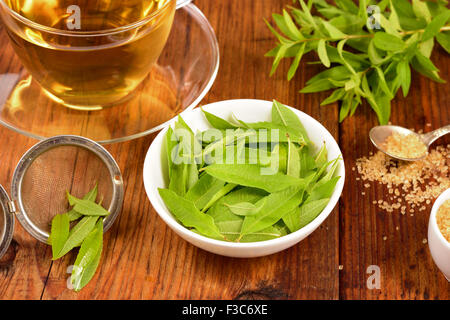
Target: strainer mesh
[[60, 169]]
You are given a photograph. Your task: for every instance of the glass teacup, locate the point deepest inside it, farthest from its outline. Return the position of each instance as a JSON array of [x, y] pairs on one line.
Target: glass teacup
[[88, 54]]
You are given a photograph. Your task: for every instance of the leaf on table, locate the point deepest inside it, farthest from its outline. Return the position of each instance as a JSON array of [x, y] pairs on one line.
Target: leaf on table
[[444, 40], [59, 233], [421, 10], [76, 236], [335, 96], [295, 64], [322, 51], [404, 74], [88, 258], [388, 42]]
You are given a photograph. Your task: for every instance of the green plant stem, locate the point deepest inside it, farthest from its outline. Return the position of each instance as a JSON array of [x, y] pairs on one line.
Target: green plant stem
[[359, 36]]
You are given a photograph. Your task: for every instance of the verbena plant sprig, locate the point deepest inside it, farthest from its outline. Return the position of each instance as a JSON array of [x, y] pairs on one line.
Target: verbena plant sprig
[[362, 61]]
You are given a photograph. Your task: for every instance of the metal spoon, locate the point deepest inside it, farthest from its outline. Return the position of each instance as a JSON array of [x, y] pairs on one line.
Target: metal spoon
[[182, 3], [378, 136]]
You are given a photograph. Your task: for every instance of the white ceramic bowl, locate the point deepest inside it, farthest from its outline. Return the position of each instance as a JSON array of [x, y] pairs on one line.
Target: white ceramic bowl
[[439, 246], [156, 176]]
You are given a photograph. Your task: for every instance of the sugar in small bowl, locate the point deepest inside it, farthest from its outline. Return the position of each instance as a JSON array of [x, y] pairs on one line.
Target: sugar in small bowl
[[439, 245]]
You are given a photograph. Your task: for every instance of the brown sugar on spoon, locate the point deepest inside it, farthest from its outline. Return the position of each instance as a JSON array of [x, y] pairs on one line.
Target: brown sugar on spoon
[[405, 146]]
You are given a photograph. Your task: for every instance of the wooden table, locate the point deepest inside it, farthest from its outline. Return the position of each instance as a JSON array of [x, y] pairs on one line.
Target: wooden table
[[144, 259]]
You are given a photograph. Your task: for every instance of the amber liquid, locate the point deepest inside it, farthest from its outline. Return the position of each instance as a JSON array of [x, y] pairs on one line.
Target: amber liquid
[[90, 72]]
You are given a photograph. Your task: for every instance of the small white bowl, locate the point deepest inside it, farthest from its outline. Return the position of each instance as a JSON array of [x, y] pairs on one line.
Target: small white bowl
[[439, 246], [156, 176]]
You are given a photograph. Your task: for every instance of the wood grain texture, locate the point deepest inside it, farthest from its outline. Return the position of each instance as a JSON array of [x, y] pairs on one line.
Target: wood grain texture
[[144, 259], [394, 242]]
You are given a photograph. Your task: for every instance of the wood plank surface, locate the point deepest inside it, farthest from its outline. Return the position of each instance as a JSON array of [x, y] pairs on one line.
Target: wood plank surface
[[144, 259]]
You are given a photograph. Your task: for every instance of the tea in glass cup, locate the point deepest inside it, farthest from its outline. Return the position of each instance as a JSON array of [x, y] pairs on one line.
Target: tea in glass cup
[[88, 54]]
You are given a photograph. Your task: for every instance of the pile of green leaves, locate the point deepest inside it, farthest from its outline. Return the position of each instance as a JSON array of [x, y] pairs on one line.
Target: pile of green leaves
[[363, 62], [233, 200], [87, 234]]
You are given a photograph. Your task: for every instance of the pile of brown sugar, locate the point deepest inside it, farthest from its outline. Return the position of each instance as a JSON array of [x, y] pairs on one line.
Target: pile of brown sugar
[[411, 185], [443, 219], [405, 146]]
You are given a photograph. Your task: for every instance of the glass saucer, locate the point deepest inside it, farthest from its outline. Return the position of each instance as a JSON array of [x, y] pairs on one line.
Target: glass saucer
[[183, 75]]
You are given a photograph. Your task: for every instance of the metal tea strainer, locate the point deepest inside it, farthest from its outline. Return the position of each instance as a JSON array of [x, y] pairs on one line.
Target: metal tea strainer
[[44, 174]]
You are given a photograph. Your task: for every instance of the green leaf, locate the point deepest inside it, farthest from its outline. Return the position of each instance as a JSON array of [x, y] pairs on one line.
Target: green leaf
[[322, 156], [296, 62], [308, 15], [345, 107], [348, 6], [170, 143], [293, 161], [263, 235], [388, 42], [425, 62], [404, 74], [421, 10], [251, 176], [204, 190], [86, 207], [59, 233], [382, 82], [323, 190], [186, 212], [280, 55], [276, 206], [284, 116], [281, 24], [217, 122], [77, 235], [444, 40], [374, 56], [435, 25], [293, 30], [381, 109], [230, 224], [310, 211], [423, 66], [388, 26], [336, 73], [318, 86], [90, 196], [219, 194], [426, 48], [279, 36], [245, 208], [334, 32], [322, 50], [393, 18], [88, 258], [339, 48], [335, 96]]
